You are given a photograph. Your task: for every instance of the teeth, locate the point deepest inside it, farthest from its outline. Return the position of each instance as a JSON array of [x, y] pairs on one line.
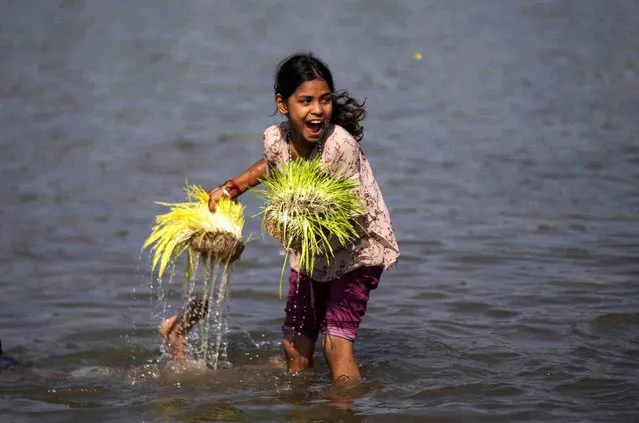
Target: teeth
[[316, 121]]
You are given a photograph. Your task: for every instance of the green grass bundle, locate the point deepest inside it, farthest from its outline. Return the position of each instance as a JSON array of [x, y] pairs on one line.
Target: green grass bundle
[[217, 235], [308, 210]]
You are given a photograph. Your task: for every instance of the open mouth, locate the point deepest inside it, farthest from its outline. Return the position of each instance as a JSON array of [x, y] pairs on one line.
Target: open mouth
[[315, 126]]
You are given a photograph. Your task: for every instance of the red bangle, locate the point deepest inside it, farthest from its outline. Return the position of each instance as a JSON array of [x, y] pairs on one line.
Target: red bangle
[[234, 186]]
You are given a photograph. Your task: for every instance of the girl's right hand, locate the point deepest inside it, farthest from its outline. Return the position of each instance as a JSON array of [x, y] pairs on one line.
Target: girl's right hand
[[215, 195]]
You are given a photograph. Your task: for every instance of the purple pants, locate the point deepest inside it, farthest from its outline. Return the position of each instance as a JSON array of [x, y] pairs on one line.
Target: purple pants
[[334, 308]]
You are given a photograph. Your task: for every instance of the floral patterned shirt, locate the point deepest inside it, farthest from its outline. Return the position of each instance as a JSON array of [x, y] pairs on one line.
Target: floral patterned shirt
[[341, 153]]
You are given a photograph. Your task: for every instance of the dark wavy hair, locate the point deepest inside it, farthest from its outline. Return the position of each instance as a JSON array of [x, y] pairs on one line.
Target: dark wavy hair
[[303, 67]]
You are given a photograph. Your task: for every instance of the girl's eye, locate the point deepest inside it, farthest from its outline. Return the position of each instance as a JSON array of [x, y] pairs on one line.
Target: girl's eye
[[326, 100]]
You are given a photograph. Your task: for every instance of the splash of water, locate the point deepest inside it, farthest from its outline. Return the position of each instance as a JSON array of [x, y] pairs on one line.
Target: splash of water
[[214, 277]]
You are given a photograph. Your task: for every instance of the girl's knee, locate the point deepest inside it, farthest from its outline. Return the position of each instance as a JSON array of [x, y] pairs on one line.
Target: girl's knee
[[299, 353], [292, 350], [336, 348]]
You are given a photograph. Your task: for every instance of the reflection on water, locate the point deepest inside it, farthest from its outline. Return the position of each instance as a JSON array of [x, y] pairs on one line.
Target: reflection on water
[[507, 154]]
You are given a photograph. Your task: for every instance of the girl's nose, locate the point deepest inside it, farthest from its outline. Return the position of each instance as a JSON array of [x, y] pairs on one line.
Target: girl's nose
[[316, 108]]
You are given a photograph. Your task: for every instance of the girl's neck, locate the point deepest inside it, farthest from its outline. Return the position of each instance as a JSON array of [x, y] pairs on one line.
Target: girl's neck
[[301, 147]]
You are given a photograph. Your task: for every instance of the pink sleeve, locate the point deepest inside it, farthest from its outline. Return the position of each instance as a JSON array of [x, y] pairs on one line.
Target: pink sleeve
[[272, 147]]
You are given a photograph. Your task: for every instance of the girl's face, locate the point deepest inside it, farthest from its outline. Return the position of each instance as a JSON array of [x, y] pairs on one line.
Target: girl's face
[[308, 109]]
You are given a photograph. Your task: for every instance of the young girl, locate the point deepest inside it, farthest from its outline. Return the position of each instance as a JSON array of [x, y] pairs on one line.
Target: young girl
[[325, 123]]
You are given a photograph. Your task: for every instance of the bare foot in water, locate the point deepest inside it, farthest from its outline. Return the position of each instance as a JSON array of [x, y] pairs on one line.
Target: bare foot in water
[[274, 362], [277, 362], [175, 328], [175, 339]]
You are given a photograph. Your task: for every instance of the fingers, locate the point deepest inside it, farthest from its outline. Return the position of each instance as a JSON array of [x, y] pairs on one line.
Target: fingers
[[215, 196], [212, 202]]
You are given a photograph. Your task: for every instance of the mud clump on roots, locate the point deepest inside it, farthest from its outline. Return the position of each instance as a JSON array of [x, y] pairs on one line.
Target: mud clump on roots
[[277, 230], [220, 246]]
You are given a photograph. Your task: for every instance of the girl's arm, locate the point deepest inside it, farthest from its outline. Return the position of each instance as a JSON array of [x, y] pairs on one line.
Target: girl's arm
[[237, 186]]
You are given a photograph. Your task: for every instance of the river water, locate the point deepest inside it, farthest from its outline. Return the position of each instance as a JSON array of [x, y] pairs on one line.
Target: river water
[[508, 155]]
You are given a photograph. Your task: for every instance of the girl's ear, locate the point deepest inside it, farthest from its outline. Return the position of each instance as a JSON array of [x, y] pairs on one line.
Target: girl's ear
[[280, 103]]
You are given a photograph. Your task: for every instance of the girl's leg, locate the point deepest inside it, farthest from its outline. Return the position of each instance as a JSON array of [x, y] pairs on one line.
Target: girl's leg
[[340, 359], [298, 350], [174, 339], [175, 328], [344, 312], [304, 313]]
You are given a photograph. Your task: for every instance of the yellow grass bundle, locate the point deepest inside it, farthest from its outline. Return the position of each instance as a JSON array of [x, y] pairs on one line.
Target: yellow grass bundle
[[190, 224]]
